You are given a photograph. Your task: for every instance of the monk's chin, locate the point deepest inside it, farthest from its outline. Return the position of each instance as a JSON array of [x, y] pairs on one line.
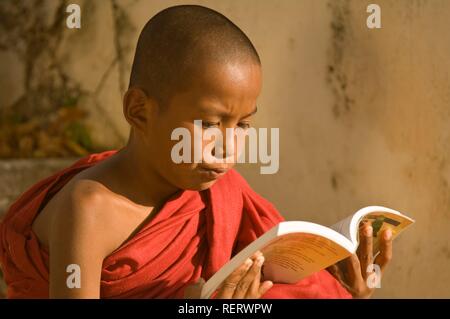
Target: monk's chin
[[202, 186], [195, 183]]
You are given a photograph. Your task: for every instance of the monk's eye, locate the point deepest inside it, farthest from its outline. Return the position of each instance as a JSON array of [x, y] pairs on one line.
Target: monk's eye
[[207, 124], [244, 125]]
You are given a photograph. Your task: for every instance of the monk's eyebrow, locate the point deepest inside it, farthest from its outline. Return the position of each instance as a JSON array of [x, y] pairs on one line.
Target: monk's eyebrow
[[213, 109], [217, 110], [251, 113]]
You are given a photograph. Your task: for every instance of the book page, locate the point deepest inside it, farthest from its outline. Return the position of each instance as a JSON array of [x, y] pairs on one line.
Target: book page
[[295, 256], [344, 226]]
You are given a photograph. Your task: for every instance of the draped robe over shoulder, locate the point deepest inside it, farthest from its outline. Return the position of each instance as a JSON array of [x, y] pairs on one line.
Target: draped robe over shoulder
[[193, 235]]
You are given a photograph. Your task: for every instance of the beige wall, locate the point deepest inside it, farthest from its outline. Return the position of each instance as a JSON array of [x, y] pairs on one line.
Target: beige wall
[[376, 130], [363, 114]]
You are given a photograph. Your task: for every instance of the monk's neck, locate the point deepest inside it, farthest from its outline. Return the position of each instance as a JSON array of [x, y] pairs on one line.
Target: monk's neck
[[139, 182]]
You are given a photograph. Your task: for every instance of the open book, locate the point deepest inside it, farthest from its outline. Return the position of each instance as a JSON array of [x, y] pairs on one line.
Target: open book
[[294, 250]]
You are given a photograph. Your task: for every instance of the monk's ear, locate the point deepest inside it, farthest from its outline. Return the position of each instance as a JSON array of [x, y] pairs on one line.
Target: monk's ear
[[137, 108]]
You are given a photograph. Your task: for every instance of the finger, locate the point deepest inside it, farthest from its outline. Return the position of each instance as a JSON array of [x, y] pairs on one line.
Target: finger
[[252, 278], [256, 254], [356, 284], [264, 287], [365, 248], [385, 255], [253, 291], [353, 271], [354, 281], [228, 287]]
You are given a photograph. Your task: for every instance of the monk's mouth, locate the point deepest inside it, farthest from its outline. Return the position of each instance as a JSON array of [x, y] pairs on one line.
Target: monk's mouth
[[210, 172]]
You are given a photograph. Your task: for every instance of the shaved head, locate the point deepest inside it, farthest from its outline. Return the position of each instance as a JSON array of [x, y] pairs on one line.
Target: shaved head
[[177, 43]]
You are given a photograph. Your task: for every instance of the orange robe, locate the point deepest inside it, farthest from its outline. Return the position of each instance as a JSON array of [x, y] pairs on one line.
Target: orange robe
[[193, 235]]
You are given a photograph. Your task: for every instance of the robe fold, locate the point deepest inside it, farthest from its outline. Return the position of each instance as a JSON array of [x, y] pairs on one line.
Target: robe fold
[[193, 235]]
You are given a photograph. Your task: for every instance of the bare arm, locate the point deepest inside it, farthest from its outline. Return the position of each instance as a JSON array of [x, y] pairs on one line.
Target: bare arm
[[76, 242]]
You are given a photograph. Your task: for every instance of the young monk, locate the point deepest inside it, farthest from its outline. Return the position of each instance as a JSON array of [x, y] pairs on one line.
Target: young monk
[[136, 224]]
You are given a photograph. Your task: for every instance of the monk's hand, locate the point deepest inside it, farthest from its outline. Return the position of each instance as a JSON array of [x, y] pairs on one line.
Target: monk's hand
[[357, 273], [245, 281]]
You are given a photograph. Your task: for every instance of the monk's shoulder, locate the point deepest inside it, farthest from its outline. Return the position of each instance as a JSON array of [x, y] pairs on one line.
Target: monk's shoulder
[[79, 211], [82, 199], [95, 214], [90, 208], [87, 193]]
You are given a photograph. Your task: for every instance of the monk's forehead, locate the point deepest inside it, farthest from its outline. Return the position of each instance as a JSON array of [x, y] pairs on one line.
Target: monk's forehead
[[235, 75]]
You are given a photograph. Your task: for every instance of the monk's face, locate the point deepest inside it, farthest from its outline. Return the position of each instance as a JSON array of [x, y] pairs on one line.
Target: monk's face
[[222, 96]]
